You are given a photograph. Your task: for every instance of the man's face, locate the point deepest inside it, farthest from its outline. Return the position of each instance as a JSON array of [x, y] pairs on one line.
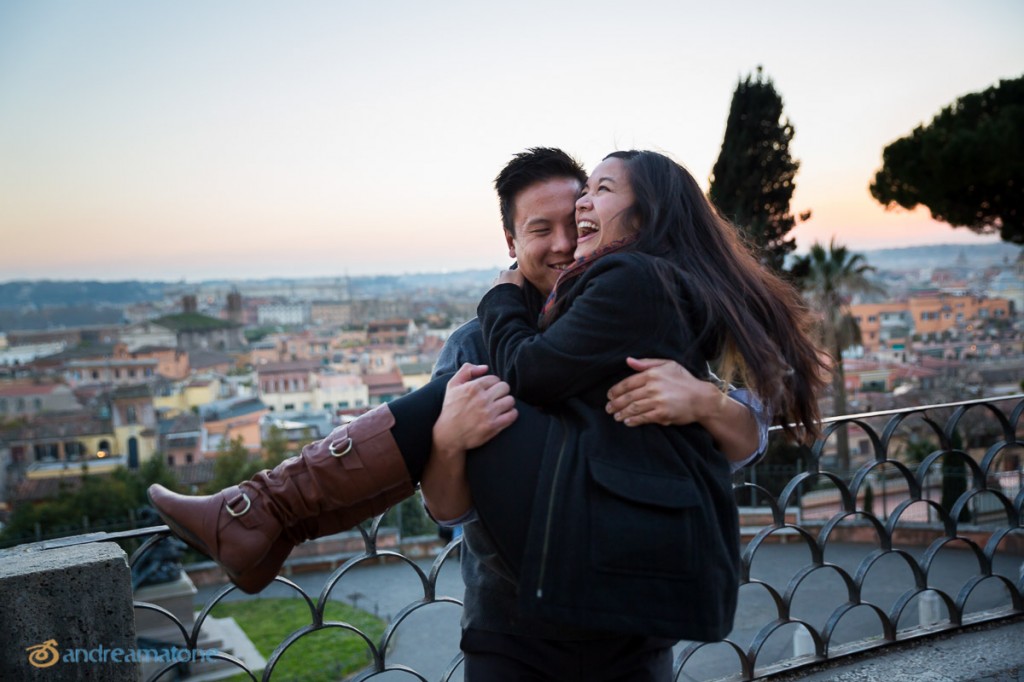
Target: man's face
[[545, 238]]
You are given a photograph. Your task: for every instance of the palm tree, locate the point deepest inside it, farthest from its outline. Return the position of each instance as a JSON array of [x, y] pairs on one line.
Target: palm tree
[[829, 280]]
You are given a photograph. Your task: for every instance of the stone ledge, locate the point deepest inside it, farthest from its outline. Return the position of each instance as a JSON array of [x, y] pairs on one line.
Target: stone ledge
[[988, 652], [59, 600]]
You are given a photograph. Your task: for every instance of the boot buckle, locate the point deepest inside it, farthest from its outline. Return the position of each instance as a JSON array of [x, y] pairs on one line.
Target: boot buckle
[[336, 451], [248, 504]]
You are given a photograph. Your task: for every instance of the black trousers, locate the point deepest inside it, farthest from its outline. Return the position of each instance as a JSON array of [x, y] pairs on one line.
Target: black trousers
[[496, 657], [502, 473]]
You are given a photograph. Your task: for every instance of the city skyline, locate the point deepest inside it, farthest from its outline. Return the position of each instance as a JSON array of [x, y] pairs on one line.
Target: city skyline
[[246, 140]]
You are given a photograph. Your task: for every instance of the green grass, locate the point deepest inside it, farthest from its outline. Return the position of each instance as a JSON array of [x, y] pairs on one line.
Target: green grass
[[322, 656]]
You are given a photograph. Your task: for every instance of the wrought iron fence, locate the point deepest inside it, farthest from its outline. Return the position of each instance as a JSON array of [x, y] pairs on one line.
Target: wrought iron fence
[[912, 541]]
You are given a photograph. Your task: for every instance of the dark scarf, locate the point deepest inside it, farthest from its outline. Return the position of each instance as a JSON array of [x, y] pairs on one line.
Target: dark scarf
[[555, 305]]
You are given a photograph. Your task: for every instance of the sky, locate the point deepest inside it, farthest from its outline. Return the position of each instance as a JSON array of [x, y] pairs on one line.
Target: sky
[[191, 140]]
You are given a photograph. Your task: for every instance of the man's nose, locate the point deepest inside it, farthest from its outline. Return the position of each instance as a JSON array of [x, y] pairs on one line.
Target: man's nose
[[565, 241]]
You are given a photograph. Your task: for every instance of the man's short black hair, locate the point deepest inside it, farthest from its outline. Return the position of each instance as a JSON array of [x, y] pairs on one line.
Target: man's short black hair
[[537, 164]]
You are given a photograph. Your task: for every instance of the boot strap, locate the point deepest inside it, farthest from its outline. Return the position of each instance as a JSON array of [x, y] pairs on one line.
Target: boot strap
[[337, 450], [230, 505]]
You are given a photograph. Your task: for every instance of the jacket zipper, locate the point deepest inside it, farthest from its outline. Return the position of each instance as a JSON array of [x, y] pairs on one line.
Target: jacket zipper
[[550, 513]]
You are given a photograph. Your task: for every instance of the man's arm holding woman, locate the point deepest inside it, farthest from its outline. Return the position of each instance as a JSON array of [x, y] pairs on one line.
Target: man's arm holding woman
[[478, 406]]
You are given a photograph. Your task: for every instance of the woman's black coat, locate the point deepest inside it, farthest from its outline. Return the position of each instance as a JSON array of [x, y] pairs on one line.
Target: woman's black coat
[[633, 529]]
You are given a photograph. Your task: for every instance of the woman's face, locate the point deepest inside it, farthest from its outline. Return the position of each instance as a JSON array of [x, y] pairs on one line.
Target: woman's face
[[603, 207]]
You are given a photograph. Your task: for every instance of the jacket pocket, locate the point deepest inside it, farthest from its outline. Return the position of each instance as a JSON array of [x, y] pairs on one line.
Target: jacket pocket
[[644, 523]]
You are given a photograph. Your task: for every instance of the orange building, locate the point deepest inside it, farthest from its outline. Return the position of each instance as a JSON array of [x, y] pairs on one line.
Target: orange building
[[307, 346], [883, 324], [170, 362], [395, 331], [938, 313], [224, 421], [889, 325]]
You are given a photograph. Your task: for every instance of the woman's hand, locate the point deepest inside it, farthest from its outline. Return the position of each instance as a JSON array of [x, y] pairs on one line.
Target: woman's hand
[[509, 277]]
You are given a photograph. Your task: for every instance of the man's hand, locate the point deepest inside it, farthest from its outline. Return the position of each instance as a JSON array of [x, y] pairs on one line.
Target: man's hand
[[661, 392], [477, 407], [510, 277], [664, 392]]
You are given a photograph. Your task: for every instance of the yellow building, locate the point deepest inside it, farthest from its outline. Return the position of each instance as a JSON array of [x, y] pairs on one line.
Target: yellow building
[[134, 420], [61, 444], [188, 396]]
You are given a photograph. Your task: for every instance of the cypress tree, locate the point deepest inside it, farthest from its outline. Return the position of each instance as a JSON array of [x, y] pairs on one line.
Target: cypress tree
[[752, 181]]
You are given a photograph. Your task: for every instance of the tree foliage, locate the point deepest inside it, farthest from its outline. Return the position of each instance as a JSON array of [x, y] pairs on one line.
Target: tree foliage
[[829, 279], [752, 181], [98, 500], [966, 166], [234, 463]]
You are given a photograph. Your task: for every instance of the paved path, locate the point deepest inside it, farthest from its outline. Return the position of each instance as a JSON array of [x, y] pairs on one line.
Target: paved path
[[428, 639]]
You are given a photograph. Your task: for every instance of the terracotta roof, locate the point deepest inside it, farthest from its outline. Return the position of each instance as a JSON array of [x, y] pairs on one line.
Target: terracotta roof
[[293, 366], [379, 380], [68, 425], [15, 390]]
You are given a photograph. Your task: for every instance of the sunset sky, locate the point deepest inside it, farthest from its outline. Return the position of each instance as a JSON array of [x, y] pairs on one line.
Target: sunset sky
[[192, 140]]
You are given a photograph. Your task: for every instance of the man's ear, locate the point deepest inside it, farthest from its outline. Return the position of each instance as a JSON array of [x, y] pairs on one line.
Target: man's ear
[[510, 240]]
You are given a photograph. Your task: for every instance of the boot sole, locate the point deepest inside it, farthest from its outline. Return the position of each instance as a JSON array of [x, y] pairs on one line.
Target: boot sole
[[195, 543]]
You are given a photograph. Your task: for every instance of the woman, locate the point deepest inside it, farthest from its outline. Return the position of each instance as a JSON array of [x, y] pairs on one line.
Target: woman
[[658, 274]]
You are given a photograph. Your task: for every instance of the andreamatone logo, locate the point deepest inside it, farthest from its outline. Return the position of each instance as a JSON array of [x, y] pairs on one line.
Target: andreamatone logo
[[43, 655], [47, 654]]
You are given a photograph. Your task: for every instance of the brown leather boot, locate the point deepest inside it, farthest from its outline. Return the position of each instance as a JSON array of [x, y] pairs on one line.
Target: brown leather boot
[[357, 468], [263, 572]]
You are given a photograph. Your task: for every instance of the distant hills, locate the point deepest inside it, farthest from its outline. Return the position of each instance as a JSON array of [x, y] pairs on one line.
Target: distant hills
[[46, 295], [49, 293], [942, 255]]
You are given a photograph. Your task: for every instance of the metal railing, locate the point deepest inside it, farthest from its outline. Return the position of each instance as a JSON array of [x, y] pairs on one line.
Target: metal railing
[[823, 575]]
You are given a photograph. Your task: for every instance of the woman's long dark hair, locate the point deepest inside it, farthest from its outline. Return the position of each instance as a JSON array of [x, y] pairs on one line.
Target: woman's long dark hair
[[761, 321]]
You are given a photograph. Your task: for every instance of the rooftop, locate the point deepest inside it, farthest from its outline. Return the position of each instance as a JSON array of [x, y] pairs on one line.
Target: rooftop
[[22, 389], [229, 409]]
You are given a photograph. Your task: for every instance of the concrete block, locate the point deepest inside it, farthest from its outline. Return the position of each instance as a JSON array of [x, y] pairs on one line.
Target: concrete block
[[62, 604]]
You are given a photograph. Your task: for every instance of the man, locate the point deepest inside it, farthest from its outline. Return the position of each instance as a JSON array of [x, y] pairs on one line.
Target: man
[[537, 192]]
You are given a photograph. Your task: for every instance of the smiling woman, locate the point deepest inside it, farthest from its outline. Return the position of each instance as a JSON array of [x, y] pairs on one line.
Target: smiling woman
[[603, 209]]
